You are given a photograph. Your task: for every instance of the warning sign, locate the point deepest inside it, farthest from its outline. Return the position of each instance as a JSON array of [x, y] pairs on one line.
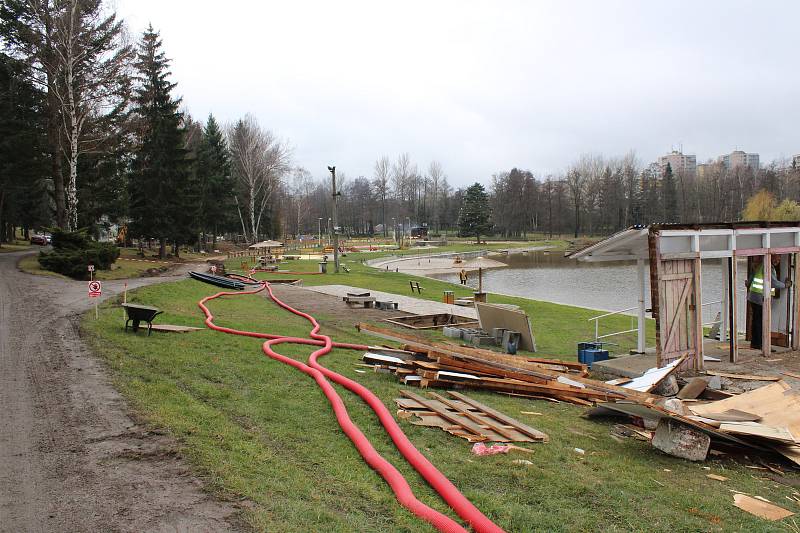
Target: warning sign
[[95, 289]]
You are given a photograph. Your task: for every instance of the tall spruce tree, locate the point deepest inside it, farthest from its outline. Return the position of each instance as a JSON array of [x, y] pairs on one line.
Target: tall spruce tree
[[214, 178], [669, 193], [159, 180], [474, 218]]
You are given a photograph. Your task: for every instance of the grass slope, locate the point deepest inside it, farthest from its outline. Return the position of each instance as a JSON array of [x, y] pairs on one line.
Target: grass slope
[[260, 430]]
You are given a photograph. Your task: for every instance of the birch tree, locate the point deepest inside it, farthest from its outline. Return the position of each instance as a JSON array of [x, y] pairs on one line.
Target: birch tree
[[259, 161]]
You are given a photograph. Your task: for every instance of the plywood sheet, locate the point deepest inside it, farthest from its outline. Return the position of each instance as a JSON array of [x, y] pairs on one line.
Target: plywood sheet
[[495, 316], [760, 508]]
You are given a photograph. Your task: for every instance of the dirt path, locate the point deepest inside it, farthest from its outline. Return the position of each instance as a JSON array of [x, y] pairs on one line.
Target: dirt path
[[71, 456]]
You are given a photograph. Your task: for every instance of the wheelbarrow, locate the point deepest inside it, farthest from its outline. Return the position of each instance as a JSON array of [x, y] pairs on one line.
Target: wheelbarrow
[[140, 313]]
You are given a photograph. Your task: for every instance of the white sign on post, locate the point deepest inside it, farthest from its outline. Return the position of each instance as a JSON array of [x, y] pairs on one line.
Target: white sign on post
[[95, 289], [91, 268]]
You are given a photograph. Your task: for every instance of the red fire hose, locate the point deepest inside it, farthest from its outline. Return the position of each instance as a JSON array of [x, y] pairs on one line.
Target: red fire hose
[[462, 506]]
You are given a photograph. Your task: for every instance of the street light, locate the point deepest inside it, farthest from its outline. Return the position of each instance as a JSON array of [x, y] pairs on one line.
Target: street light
[[319, 229], [329, 231]]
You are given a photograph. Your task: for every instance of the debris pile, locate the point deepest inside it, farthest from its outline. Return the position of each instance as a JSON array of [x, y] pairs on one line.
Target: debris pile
[[431, 364]]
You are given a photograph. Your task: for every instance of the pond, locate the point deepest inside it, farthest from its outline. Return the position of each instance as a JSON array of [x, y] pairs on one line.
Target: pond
[[604, 286]]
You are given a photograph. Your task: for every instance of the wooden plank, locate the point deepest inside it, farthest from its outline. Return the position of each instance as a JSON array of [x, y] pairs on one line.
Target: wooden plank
[[756, 429], [766, 308], [693, 389], [685, 339], [748, 377], [795, 315], [472, 416], [443, 413], [760, 508], [677, 276], [734, 311], [656, 295], [698, 315], [497, 415]]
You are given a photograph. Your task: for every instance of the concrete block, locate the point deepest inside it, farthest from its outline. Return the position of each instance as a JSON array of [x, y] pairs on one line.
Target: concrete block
[[453, 333], [668, 387], [483, 340], [680, 440]]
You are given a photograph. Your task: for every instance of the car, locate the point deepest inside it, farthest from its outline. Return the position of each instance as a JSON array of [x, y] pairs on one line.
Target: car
[[41, 240]]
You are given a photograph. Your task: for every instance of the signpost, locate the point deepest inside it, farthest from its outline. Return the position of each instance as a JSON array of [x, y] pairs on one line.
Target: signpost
[[95, 290]]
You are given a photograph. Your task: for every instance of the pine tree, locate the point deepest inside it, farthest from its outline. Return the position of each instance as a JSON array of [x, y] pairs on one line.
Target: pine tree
[[214, 178], [159, 182], [474, 218], [669, 194]]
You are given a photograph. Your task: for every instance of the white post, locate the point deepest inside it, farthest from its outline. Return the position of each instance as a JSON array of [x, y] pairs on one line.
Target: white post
[[726, 300], [640, 343]]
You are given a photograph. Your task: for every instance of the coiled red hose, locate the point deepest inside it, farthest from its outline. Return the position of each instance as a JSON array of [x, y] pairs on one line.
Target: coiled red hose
[[463, 507]]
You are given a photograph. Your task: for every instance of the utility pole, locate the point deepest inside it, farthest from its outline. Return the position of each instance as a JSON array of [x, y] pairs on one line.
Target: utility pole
[[335, 234]]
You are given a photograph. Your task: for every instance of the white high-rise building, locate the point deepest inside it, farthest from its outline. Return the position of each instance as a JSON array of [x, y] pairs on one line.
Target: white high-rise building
[[738, 158], [679, 163]]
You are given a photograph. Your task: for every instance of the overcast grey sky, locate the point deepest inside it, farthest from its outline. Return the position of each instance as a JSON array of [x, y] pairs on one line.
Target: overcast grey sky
[[485, 86]]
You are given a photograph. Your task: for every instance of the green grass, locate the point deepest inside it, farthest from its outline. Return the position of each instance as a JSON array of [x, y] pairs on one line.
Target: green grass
[[557, 328], [258, 429]]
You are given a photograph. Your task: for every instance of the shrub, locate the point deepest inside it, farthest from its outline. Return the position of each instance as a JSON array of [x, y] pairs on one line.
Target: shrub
[[74, 250]]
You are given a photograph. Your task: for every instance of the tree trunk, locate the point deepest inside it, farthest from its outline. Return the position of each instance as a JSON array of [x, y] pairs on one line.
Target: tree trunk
[[54, 147], [162, 248]]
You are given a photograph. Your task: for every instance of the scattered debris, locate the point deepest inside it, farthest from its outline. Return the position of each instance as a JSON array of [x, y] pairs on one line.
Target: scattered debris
[[522, 462], [480, 448], [760, 508], [464, 417], [170, 328], [580, 451], [493, 316], [716, 477]]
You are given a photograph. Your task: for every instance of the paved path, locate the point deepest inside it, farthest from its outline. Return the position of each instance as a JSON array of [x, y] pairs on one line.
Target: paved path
[[71, 456], [409, 304]]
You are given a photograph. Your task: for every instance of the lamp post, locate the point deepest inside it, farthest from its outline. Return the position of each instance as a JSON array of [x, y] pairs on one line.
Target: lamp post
[[335, 234], [329, 231], [394, 230], [319, 229]]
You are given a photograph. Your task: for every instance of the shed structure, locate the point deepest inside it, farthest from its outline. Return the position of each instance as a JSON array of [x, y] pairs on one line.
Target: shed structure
[[675, 254]]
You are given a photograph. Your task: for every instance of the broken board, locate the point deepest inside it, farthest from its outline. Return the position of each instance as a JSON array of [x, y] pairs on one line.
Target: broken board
[[174, 329], [495, 316]]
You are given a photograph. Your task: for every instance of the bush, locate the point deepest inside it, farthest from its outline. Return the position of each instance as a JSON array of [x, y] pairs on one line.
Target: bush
[[73, 251]]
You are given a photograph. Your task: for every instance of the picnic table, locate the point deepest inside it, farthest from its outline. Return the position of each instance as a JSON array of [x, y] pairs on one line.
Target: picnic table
[[140, 313]]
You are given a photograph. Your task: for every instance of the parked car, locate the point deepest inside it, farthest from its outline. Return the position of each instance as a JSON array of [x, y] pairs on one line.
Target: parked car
[[41, 240]]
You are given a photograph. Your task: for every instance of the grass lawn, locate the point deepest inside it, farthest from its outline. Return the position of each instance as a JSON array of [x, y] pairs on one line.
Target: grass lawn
[[260, 430]]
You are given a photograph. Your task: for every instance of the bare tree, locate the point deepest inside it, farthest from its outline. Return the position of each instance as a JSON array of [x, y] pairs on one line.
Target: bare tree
[[259, 161], [381, 184], [436, 174], [576, 183]]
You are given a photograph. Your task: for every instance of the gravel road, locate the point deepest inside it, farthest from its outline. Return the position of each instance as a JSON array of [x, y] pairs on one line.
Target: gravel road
[[72, 457]]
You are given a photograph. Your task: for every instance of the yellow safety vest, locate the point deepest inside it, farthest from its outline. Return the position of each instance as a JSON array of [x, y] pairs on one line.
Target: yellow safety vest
[[757, 285]]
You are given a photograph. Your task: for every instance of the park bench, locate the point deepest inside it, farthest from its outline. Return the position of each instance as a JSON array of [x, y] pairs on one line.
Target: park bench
[[415, 287], [140, 313]]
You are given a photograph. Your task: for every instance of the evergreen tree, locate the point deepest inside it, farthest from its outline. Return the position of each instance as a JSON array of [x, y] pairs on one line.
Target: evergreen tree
[[159, 183], [669, 193], [216, 184], [474, 218], [23, 166]]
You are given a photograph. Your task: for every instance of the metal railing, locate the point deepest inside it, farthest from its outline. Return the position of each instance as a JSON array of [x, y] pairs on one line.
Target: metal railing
[[597, 318]]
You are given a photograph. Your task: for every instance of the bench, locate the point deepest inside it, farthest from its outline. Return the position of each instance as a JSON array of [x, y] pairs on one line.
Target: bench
[[140, 313], [415, 286]]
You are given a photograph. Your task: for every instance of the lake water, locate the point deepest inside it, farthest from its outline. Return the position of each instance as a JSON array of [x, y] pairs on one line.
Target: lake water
[[605, 286]]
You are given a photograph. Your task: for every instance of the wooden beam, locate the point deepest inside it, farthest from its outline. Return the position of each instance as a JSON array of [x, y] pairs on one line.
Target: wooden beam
[[766, 308], [500, 430], [734, 309], [679, 307], [747, 252], [679, 255], [698, 316], [795, 317], [656, 297]]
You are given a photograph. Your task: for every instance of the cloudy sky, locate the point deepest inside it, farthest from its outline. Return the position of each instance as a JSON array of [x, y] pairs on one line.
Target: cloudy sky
[[485, 86]]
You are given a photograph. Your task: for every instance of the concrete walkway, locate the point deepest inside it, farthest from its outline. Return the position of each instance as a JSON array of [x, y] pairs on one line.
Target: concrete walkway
[[409, 304]]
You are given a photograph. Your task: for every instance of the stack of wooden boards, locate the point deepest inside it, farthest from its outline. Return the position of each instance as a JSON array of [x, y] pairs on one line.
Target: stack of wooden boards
[[465, 417], [432, 364]]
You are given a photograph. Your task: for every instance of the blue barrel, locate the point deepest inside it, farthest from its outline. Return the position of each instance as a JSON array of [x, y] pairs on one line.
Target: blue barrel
[[583, 346]]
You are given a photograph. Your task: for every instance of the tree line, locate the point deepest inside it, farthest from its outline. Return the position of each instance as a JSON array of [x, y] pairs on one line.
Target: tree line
[[93, 134]]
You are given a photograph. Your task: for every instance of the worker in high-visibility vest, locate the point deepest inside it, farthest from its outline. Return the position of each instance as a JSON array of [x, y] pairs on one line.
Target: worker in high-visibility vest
[[755, 295]]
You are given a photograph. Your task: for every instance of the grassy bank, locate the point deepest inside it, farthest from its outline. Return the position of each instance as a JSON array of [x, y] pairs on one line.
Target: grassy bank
[[557, 327], [260, 430]]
